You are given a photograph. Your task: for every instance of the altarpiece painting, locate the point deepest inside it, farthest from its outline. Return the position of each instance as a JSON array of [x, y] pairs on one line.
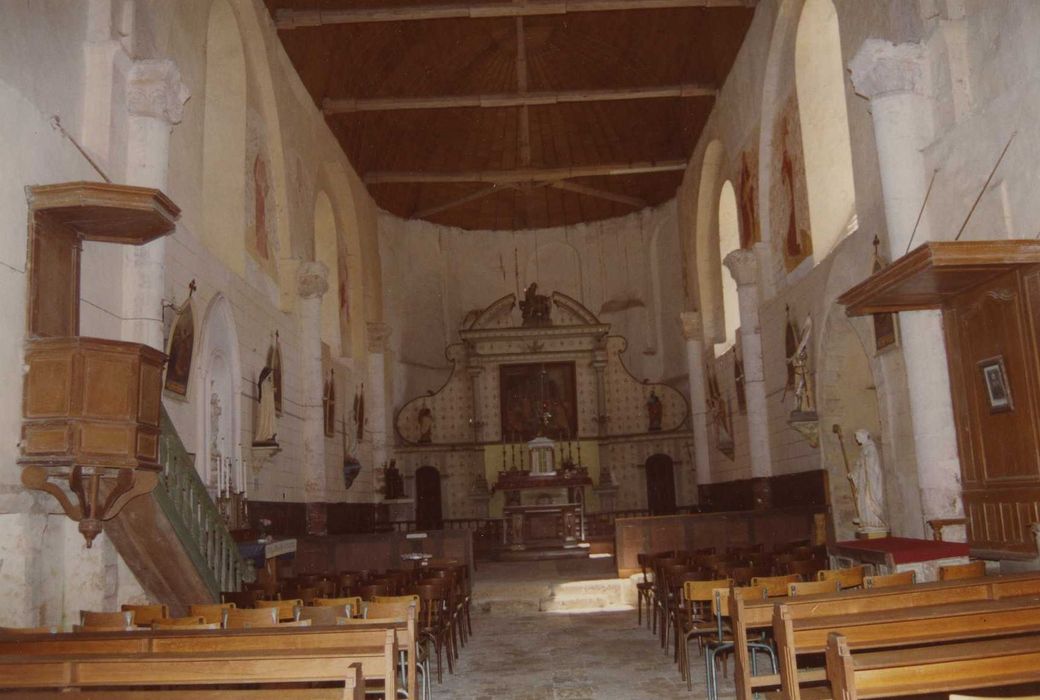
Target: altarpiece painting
[[538, 399], [181, 347]]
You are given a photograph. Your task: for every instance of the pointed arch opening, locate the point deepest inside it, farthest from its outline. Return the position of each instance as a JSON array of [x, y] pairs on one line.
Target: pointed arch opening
[[219, 391]]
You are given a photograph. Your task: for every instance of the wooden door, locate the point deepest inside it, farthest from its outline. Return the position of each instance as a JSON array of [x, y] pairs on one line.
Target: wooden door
[[660, 484], [428, 499]]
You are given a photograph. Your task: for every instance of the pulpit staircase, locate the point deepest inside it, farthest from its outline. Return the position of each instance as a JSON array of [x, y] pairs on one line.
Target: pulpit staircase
[[174, 539]]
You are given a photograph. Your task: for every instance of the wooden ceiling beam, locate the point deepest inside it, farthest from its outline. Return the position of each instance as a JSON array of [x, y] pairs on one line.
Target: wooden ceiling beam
[[519, 99], [292, 19], [531, 175], [568, 186], [479, 194]]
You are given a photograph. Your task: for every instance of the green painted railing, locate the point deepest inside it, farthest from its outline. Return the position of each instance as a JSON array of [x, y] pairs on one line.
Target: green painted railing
[[184, 500]]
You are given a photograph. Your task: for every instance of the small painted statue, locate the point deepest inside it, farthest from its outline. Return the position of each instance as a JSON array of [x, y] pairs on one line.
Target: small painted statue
[[654, 412]]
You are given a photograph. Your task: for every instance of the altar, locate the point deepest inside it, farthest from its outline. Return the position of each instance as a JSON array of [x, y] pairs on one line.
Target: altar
[[890, 555], [544, 510]]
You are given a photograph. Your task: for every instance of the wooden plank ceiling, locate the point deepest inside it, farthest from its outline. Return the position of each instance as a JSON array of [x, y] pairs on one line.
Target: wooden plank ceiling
[[544, 114]]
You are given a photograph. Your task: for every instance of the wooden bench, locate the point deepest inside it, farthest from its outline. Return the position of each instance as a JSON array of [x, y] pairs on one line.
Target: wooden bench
[[112, 671], [755, 615], [935, 669], [935, 624], [369, 640]]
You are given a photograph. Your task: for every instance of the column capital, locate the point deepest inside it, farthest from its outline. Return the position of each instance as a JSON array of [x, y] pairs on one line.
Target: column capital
[[377, 334], [312, 280], [743, 265], [692, 325], [154, 89], [882, 68]]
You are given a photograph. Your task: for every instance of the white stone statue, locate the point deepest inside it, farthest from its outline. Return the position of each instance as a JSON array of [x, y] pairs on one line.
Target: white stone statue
[[870, 485], [266, 429]]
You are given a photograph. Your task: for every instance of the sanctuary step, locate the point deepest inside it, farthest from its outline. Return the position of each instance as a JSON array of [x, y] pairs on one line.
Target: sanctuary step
[[538, 553], [512, 588]]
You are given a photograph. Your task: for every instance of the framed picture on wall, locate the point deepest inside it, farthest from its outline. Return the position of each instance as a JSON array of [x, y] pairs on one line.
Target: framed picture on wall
[[998, 389]]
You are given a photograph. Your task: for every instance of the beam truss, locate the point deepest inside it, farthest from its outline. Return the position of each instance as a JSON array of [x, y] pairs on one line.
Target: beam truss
[[525, 175], [293, 19]]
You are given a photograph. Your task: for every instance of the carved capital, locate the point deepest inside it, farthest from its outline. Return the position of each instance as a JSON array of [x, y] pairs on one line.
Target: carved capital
[[692, 325], [377, 334], [882, 68], [154, 89], [743, 265], [312, 280]]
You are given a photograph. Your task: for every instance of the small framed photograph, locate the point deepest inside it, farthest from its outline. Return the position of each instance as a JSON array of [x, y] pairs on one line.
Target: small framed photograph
[[998, 389]]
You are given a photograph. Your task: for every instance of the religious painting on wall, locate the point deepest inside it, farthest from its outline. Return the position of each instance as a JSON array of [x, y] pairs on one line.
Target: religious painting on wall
[[538, 399], [179, 351], [329, 404], [788, 197], [274, 361], [998, 390], [885, 325], [750, 231]]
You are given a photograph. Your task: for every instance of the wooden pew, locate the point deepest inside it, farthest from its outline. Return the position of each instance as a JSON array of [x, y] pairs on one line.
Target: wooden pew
[[934, 624], [936, 669], [754, 615], [223, 668], [364, 637]]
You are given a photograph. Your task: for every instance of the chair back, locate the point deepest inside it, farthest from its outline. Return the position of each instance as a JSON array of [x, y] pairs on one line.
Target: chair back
[[903, 578], [975, 569], [776, 586], [352, 603], [406, 599], [105, 628], [806, 568], [851, 577], [814, 587], [396, 611], [192, 622], [288, 609], [371, 590], [324, 615], [252, 617], [241, 599], [704, 591], [307, 594], [144, 615], [90, 618], [211, 612]]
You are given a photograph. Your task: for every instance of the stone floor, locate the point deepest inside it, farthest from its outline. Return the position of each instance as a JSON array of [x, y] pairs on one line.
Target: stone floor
[[561, 629]]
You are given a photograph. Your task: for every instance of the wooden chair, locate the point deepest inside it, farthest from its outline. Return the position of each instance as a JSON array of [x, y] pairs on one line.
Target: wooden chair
[[241, 599], [371, 590], [307, 594], [975, 569], [89, 618], [287, 609], [251, 617], [644, 590], [723, 641], [382, 611], [903, 578], [851, 577], [814, 587], [806, 568], [435, 621], [192, 622], [405, 599], [352, 603], [324, 614], [697, 620], [776, 586], [105, 628], [211, 612], [145, 615]]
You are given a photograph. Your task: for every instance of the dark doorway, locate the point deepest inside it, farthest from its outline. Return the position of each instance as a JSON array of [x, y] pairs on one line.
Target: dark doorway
[[428, 499], [660, 485]]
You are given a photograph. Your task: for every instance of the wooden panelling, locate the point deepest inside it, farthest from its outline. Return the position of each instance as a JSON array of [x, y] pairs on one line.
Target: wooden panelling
[[999, 451], [807, 489], [379, 551]]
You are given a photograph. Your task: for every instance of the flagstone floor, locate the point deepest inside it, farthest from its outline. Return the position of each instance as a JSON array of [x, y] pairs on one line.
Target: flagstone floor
[[588, 648]]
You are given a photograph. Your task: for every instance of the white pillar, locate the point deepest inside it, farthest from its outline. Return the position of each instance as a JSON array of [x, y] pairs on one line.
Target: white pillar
[[155, 98], [375, 399], [743, 265], [894, 79], [311, 284], [693, 332]]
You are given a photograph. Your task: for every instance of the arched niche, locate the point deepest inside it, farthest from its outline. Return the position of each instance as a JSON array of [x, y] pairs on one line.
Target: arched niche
[[826, 146], [729, 240], [219, 396], [706, 251], [326, 250], [224, 138]]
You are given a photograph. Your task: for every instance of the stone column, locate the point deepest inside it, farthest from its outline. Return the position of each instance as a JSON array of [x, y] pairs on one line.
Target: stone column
[[375, 393], [311, 285], [894, 79], [155, 98], [693, 332], [743, 265]]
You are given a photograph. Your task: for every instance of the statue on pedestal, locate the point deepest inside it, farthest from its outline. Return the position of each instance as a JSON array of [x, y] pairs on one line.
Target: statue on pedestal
[[870, 487], [654, 411], [535, 308], [266, 429]]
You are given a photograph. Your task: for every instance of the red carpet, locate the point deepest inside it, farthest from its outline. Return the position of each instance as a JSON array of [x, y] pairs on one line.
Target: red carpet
[[905, 550]]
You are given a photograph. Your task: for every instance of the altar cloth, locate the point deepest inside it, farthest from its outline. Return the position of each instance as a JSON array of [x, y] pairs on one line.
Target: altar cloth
[[907, 550]]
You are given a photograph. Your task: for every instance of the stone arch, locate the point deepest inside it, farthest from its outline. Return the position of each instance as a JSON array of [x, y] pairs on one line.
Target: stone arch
[[224, 138], [335, 182], [706, 250], [219, 373], [326, 250], [826, 145], [729, 240]]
